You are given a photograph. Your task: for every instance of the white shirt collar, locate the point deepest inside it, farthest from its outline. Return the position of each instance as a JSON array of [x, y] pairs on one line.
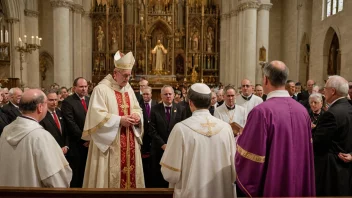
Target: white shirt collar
[[278, 94], [167, 105], [15, 105], [80, 97], [335, 101]]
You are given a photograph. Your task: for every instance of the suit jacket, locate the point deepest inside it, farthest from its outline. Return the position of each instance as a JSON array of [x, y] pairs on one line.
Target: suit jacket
[[304, 95], [294, 97], [159, 127], [147, 140], [11, 112], [74, 114], [332, 135], [3, 121], [139, 96], [188, 112], [49, 124]]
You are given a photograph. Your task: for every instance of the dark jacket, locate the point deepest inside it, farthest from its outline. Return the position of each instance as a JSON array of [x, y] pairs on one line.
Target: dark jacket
[[11, 112], [49, 124]]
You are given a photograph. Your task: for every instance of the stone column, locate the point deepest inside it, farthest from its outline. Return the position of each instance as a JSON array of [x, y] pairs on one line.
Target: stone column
[[239, 48], [262, 37], [232, 47], [31, 71], [86, 41], [77, 40], [14, 33], [62, 63], [249, 21], [223, 50]]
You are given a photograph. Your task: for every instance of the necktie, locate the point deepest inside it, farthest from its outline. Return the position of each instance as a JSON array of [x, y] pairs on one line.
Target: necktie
[[84, 104], [56, 121], [168, 109], [147, 109]]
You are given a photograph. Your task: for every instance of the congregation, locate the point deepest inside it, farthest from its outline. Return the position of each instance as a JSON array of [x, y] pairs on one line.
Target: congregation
[[271, 139]]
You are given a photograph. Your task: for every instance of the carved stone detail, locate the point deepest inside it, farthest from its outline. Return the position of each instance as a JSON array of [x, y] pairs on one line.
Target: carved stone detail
[[61, 3], [265, 7], [31, 13], [77, 8], [248, 5], [12, 20]]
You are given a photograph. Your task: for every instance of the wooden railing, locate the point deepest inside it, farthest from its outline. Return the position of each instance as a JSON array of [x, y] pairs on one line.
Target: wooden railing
[[12, 192]]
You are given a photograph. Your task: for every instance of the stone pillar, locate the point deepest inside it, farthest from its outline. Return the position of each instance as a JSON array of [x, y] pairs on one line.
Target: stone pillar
[[249, 21], [61, 26], [86, 41], [77, 40], [223, 49], [239, 48], [232, 47], [31, 72], [262, 37], [14, 33]]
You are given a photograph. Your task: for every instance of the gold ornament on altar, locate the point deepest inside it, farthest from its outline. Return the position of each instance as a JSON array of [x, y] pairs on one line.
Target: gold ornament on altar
[[159, 51]]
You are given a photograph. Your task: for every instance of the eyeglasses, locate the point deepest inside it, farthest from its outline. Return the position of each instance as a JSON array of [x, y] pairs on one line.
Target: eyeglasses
[[124, 75], [246, 86]]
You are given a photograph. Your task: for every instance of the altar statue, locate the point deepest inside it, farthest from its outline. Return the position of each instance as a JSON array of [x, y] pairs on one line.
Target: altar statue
[[100, 38], [159, 52], [210, 38]]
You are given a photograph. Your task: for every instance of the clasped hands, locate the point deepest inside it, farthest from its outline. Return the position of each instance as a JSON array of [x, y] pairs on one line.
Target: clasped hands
[[130, 120]]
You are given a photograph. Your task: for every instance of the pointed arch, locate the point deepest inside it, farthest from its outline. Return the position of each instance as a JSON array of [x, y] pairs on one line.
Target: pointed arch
[[331, 52], [304, 59]]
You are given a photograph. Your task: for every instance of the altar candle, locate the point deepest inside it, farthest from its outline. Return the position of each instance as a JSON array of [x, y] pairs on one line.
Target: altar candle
[[39, 41], [25, 38], [19, 42], [6, 36], [1, 40], [32, 41]]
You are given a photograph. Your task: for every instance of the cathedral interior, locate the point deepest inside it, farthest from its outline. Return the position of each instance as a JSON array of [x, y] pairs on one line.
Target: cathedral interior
[[173, 41]]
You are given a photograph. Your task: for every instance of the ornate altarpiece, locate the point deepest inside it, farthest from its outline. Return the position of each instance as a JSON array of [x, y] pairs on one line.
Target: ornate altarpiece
[[188, 30]]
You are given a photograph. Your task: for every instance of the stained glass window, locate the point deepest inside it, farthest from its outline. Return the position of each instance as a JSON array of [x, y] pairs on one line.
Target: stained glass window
[[334, 7], [328, 8], [340, 5]]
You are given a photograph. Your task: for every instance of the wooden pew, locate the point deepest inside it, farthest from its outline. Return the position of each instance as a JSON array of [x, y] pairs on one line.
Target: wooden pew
[[14, 192]]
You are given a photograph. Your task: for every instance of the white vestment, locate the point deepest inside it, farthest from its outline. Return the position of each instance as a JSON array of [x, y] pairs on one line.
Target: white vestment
[[237, 115], [31, 157], [199, 158], [102, 127], [248, 104]]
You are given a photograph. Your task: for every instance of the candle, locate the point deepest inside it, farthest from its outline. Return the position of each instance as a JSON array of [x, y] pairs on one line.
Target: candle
[[6, 36], [25, 38], [40, 40], [1, 40], [36, 40], [19, 42], [32, 41]]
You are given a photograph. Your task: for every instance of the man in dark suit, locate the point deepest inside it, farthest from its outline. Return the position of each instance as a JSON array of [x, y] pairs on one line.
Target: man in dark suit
[[162, 119], [259, 91], [291, 88], [74, 109], [304, 95], [54, 122], [332, 137], [142, 84], [12, 109], [212, 103], [146, 104], [3, 121], [350, 91]]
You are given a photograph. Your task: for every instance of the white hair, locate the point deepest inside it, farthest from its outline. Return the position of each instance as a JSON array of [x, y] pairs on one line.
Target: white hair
[[316, 96], [338, 83], [167, 86]]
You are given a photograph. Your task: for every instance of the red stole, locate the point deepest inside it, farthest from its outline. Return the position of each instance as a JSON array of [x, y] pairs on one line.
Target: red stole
[[127, 145]]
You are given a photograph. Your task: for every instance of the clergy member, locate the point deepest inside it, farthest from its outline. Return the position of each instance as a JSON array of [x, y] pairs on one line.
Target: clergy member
[[247, 99], [29, 155], [199, 157], [114, 127], [230, 112], [274, 155]]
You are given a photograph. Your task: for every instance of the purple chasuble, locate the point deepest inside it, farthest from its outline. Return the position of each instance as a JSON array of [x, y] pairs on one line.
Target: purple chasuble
[[274, 156]]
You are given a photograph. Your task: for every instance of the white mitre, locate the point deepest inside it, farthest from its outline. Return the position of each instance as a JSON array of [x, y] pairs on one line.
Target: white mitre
[[122, 61], [201, 88]]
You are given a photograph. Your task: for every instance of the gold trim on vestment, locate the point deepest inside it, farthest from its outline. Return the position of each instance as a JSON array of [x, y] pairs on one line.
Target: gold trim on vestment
[[170, 167], [251, 156], [98, 126], [124, 66]]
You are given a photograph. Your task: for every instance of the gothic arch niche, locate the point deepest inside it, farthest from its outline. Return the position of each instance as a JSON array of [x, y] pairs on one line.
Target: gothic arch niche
[[160, 30], [332, 53], [46, 68], [304, 59]]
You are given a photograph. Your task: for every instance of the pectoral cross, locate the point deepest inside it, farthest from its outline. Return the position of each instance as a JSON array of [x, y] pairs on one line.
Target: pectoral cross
[[209, 125]]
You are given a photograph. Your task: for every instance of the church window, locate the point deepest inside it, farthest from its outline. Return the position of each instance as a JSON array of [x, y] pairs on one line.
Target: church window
[[333, 7]]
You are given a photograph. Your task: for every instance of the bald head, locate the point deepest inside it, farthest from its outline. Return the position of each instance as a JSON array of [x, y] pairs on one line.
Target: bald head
[[310, 84], [276, 72], [339, 84], [246, 87], [34, 104]]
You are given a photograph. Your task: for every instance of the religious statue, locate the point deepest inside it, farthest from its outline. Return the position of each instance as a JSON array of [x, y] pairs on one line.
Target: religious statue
[[195, 39], [194, 74], [262, 54], [100, 38], [114, 42], [210, 38], [159, 52]]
